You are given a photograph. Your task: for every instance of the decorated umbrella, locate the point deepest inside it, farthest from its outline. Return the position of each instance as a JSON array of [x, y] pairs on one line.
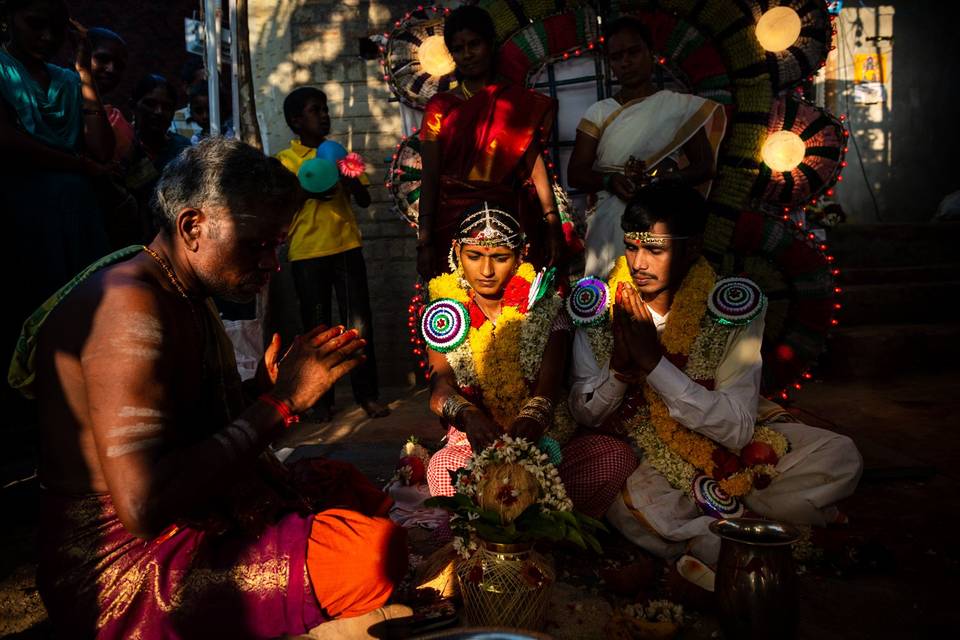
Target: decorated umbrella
[[802, 155], [797, 276], [403, 178], [509, 16], [415, 60], [796, 35], [556, 37]]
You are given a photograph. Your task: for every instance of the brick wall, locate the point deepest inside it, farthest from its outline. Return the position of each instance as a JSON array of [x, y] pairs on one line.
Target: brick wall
[[315, 42]]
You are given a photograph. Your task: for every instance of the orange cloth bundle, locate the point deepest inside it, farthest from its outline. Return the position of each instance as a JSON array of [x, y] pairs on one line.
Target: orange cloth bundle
[[354, 561]]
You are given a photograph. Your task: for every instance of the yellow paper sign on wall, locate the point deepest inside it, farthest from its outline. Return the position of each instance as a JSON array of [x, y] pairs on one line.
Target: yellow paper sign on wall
[[870, 67]]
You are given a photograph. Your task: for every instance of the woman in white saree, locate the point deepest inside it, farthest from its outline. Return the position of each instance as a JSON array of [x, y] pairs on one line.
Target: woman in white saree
[[639, 136]]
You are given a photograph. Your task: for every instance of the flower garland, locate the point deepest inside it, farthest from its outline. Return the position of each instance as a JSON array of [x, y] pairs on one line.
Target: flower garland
[[677, 452], [502, 359]]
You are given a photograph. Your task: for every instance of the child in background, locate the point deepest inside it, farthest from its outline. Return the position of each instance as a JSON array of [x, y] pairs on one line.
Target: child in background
[[325, 250], [199, 103]]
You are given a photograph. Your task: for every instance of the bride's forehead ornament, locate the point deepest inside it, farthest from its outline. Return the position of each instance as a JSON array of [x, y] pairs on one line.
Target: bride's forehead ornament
[[491, 227]]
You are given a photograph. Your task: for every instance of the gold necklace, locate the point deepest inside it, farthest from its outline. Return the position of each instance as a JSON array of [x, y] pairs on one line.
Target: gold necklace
[[168, 271], [177, 284], [197, 321], [466, 92]]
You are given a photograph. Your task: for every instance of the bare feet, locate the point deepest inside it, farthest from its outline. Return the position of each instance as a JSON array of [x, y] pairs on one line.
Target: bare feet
[[375, 409]]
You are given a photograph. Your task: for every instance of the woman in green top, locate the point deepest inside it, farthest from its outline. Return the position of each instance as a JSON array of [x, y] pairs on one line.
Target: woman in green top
[[54, 138]]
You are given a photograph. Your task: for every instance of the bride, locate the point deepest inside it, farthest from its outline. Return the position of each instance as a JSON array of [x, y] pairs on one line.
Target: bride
[[497, 338]]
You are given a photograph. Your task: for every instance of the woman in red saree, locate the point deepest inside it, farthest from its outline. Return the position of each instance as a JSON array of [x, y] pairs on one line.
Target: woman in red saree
[[483, 142]]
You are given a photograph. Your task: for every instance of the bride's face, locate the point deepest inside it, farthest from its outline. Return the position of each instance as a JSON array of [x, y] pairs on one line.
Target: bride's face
[[488, 269], [630, 58]]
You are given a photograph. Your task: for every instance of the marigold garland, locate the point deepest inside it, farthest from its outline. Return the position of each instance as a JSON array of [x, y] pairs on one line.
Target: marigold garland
[[677, 452]]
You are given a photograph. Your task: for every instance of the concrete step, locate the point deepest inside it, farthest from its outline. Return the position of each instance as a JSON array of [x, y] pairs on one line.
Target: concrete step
[[917, 302], [894, 245], [891, 350], [899, 275]]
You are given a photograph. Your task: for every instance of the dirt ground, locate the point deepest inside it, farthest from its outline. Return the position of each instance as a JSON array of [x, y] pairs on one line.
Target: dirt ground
[[890, 574]]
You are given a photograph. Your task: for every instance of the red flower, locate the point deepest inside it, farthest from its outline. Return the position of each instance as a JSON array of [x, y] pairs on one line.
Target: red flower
[[505, 496], [572, 240], [417, 471], [517, 293], [477, 317], [352, 165], [758, 453], [725, 464]]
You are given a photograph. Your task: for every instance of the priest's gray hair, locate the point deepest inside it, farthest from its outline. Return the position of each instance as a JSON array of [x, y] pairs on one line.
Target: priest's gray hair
[[226, 173]]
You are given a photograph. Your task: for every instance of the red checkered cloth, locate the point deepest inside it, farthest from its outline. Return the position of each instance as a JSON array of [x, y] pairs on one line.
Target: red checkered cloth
[[453, 456], [594, 470]]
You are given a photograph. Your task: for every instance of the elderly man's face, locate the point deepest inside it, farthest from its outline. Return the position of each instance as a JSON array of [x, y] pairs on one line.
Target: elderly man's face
[[237, 253]]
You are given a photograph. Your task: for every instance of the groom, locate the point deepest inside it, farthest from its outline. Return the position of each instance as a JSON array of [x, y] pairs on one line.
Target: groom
[[681, 383]]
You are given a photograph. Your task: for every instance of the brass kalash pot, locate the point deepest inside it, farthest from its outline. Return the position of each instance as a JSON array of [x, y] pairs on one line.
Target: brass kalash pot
[[756, 583], [506, 585]]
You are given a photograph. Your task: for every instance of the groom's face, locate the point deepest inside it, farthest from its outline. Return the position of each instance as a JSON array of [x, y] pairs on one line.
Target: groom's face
[[651, 264]]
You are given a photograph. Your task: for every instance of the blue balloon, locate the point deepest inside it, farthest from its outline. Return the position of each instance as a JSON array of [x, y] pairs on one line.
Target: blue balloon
[[330, 150], [318, 175]]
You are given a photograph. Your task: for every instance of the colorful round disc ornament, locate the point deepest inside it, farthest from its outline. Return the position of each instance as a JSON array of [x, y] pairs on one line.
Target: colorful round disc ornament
[[445, 324], [736, 301], [713, 501], [588, 301]]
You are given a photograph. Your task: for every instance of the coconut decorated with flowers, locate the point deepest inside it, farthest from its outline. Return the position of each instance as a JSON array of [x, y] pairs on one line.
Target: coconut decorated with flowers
[[508, 497]]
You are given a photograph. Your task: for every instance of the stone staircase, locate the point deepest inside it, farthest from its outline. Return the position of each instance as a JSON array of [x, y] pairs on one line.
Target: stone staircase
[[901, 300]]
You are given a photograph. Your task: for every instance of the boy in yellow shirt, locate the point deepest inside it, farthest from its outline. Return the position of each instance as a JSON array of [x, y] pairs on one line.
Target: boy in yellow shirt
[[325, 251]]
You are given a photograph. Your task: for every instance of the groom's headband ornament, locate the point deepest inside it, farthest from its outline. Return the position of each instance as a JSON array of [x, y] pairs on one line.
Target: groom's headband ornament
[[655, 239], [490, 227]]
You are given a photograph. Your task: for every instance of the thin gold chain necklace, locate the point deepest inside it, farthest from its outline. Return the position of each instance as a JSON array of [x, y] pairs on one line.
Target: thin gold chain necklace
[[175, 281], [168, 271]]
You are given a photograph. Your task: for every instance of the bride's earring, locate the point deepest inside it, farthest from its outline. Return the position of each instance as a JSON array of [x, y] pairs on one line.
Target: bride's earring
[[456, 268], [452, 258]]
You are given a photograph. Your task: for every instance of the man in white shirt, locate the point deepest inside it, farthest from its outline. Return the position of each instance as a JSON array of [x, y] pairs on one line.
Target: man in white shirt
[[674, 370]]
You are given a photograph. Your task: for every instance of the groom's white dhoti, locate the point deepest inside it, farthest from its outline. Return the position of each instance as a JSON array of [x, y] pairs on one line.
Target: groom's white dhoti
[[820, 468]]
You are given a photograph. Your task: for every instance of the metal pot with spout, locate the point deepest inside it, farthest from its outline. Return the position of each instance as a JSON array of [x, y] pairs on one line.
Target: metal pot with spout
[[756, 584]]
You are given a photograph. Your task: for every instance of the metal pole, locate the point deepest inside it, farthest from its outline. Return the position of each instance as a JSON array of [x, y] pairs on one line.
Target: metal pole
[[234, 68], [211, 29]]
